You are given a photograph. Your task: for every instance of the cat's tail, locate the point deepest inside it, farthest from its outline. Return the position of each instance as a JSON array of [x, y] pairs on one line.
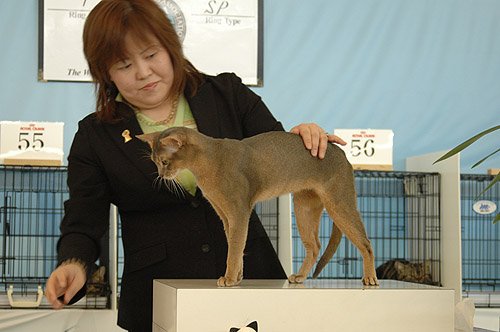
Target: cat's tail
[[330, 250]]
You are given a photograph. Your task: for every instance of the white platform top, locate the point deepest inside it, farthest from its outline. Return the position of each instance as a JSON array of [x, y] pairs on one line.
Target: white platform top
[[284, 284]]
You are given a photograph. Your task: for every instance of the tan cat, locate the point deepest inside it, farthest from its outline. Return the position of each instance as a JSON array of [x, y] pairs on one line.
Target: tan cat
[[234, 175]]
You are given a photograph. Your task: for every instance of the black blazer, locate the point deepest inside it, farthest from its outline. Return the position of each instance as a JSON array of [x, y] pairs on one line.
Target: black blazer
[[164, 236]]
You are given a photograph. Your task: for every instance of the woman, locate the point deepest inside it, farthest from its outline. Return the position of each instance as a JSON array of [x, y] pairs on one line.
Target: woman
[[144, 84]]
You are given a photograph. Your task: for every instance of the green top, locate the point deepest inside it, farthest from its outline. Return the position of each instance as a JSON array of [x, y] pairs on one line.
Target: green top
[[183, 118]]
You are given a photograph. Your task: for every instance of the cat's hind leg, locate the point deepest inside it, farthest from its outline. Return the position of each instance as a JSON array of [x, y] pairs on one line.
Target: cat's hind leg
[[348, 219], [308, 208]]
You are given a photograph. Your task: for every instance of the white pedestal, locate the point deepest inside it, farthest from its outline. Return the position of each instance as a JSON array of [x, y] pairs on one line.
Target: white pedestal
[[317, 305], [487, 318], [47, 320]]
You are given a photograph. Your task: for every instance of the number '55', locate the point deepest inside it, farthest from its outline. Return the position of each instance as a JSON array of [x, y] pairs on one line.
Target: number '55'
[[25, 142]]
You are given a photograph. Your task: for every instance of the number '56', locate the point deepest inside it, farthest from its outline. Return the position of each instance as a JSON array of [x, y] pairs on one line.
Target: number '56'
[[357, 148], [36, 141]]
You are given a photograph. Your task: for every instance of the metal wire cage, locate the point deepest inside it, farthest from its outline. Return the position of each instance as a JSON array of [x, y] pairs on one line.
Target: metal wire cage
[[480, 240], [400, 211], [31, 209]]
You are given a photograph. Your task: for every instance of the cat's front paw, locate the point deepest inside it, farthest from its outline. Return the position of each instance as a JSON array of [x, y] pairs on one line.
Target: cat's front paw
[[370, 281], [296, 279], [226, 282]]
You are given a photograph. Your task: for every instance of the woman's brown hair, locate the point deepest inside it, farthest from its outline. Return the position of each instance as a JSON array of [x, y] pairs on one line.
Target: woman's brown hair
[[103, 44]]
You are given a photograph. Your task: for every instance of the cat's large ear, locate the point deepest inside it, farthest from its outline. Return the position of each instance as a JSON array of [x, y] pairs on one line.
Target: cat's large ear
[[173, 141], [399, 266], [148, 138]]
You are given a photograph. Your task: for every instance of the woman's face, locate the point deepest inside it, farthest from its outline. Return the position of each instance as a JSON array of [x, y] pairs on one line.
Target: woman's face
[[145, 76]]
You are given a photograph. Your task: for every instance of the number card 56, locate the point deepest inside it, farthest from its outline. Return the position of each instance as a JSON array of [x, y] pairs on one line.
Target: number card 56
[[31, 143], [368, 148]]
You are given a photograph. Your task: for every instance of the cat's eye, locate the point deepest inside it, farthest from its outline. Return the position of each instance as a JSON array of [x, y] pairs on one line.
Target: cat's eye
[[164, 162]]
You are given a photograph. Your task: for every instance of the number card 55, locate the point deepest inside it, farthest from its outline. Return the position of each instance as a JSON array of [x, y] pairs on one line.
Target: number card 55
[[31, 143], [368, 148]]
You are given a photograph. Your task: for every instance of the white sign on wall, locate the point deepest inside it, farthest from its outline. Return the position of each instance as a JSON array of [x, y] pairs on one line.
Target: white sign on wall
[[31, 143], [368, 148], [217, 36]]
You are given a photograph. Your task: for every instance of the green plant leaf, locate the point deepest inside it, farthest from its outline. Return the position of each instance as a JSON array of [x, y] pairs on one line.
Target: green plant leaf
[[495, 180], [465, 144], [479, 162]]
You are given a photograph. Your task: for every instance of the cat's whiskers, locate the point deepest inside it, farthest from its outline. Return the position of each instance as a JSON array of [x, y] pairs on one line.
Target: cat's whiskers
[[145, 154], [174, 186], [157, 182]]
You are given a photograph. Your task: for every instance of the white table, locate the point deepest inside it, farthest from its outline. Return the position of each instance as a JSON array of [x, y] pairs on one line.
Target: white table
[[316, 305]]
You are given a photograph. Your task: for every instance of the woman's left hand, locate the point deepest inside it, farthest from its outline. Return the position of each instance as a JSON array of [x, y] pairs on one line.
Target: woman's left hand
[[315, 138]]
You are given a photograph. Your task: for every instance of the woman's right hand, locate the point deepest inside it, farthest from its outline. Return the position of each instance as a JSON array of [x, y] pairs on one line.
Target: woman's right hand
[[66, 280]]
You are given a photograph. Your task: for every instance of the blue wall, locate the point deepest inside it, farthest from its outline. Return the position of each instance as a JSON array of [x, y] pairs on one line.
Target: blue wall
[[427, 69]]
